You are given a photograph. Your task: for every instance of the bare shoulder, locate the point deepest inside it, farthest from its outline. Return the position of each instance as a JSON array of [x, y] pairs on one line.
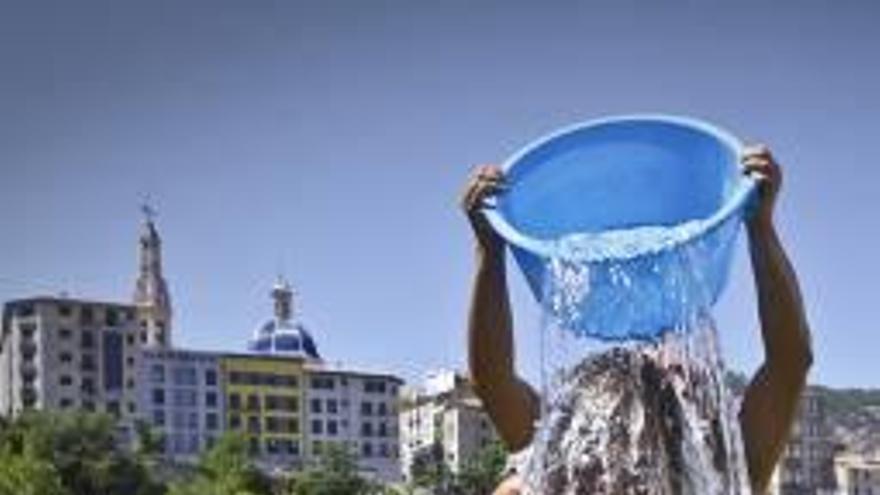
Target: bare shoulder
[[510, 486]]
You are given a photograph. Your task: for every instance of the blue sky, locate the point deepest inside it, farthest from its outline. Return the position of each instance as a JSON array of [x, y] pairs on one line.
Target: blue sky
[[330, 140]]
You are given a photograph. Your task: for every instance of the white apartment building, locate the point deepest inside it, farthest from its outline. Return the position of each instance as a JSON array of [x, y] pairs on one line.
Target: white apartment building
[[857, 474], [443, 421], [182, 398], [806, 466], [358, 410], [59, 353]]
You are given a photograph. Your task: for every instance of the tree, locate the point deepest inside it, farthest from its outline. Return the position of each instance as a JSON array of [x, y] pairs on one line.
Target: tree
[[335, 473], [482, 474], [20, 475], [225, 469], [76, 451]]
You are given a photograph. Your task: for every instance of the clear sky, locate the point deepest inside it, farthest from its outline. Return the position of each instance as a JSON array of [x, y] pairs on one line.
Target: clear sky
[[329, 140]]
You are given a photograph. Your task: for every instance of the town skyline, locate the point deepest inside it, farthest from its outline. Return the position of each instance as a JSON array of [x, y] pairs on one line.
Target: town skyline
[[331, 143]]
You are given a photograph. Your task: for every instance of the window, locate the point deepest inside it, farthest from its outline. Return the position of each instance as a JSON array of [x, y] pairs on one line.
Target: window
[[332, 406], [374, 386], [253, 425], [323, 383], [293, 426], [157, 373], [87, 339], [113, 407], [65, 357], [132, 407], [88, 406], [65, 380], [65, 333], [129, 361], [87, 385], [234, 402], [316, 406], [144, 336], [111, 317], [235, 378], [272, 424], [184, 376], [65, 311], [317, 427], [65, 403], [253, 402], [159, 417], [185, 398], [383, 450], [235, 421], [366, 429], [86, 315], [272, 447], [193, 421], [129, 339], [383, 429], [367, 449], [158, 396], [332, 427], [212, 421], [210, 378], [87, 363], [383, 409], [211, 399], [367, 408]]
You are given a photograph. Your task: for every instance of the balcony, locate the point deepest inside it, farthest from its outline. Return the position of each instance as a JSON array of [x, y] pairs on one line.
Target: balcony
[[28, 348], [28, 371]]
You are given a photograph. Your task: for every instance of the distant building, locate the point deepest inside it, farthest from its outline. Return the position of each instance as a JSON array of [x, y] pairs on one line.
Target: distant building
[[181, 396], [359, 410], [60, 353], [443, 421], [807, 464], [857, 474], [63, 353]]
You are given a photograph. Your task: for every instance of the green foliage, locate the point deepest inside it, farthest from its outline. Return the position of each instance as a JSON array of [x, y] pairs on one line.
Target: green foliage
[[76, 449], [225, 469], [478, 476], [20, 475], [483, 473], [335, 474]]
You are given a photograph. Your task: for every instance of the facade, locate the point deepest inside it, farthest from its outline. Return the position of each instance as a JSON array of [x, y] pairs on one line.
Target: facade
[[443, 421], [59, 353], [182, 397], [857, 474], [357, 410], [806, 467], [263, 401]]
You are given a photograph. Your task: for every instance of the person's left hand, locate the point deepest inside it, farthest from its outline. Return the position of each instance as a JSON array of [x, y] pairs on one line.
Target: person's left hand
[[758, 162]]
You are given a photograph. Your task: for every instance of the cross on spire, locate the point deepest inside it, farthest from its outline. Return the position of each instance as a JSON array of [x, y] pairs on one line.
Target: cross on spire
[[148, 210]]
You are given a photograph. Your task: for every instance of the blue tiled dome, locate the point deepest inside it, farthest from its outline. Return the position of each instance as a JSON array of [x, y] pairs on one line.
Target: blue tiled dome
[[284, 335], [286, 338]]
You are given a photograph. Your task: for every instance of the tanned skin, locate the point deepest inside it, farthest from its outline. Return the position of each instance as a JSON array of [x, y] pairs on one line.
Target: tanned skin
[[772, 397]]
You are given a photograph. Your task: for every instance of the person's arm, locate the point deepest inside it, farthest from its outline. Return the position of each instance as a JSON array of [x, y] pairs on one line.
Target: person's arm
[[510, 402], [771, 399]]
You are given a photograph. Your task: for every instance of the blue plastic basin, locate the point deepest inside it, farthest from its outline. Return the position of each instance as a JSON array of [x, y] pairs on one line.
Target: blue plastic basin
[[617, 173]]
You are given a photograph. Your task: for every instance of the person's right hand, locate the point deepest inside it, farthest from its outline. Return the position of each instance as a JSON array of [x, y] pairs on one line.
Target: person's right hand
[[484, 181]]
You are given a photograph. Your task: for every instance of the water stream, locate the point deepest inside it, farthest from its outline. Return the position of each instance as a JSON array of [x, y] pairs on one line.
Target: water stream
[[648, 416]]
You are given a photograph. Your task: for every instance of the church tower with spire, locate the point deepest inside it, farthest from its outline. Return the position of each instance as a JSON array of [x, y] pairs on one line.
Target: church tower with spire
[[151, 292]]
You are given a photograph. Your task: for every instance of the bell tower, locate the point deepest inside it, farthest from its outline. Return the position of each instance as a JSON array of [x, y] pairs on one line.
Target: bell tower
[[151, 292]]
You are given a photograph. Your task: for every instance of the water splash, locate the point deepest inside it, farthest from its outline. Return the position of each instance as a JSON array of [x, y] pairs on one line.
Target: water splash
[[638, 413]]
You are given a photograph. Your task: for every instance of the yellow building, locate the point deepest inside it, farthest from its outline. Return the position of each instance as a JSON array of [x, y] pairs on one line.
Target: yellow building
[[264, 397]]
